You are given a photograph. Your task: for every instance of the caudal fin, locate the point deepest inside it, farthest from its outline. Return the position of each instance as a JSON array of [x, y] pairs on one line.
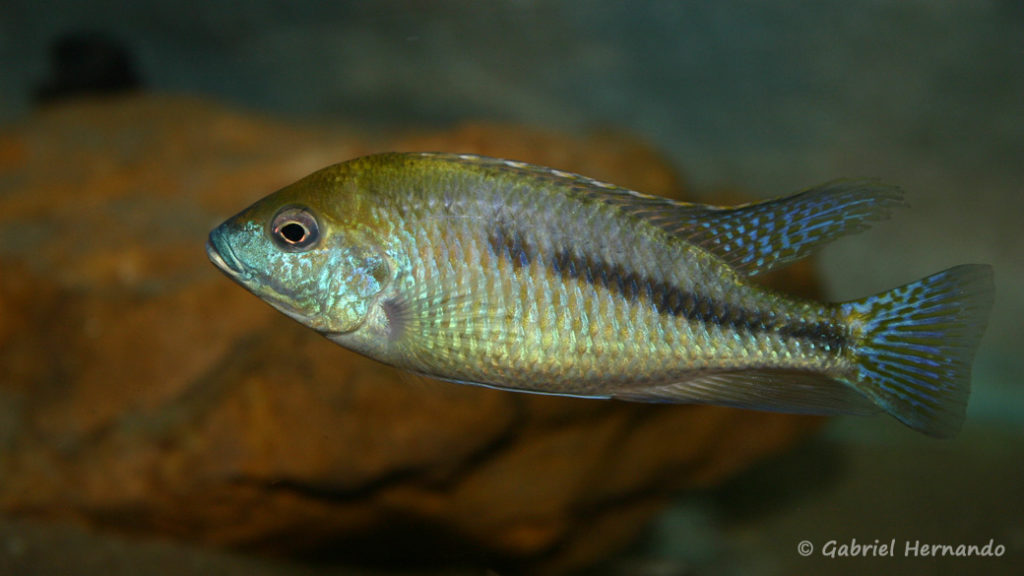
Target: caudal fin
[[916, 345]]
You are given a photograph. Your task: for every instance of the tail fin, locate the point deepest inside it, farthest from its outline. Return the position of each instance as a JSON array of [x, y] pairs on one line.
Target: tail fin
[[917, 343]]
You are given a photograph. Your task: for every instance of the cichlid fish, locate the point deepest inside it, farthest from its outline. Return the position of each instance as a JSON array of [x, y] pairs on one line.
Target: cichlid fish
[[513, 276]]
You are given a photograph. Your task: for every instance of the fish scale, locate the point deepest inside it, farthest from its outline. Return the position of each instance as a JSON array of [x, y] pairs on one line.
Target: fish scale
[[503, 274], [629, 337]]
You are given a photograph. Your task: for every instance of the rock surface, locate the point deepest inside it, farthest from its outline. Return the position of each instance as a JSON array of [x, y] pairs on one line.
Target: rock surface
[[143, 392]]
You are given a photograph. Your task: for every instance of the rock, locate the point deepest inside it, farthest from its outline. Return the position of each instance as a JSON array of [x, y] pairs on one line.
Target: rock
[[143, 392]]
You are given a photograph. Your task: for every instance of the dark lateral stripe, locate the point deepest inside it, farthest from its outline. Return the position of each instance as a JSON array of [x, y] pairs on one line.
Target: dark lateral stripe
[[666, 298], [822, 332], [508, 243]]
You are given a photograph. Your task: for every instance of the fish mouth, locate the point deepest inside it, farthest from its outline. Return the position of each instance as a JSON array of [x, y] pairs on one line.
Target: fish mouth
[[223, 257], [220, 253]]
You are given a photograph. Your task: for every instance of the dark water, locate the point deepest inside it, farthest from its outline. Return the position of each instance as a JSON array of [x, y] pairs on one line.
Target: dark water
[[767, 98]]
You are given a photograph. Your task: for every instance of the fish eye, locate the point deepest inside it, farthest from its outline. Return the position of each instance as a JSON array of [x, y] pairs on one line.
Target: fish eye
[[295, 229]]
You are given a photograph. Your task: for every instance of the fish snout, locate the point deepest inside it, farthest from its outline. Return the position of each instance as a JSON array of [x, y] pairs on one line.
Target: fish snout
[[218, 250]]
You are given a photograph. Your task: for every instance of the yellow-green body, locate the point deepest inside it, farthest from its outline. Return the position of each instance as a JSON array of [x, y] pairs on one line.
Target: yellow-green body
[[503, 274]]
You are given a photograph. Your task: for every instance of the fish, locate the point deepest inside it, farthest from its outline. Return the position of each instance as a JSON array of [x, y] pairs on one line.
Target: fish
[[503, 274]]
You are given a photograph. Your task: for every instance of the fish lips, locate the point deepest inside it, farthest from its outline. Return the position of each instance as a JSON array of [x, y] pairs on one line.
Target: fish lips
[[223, 257]]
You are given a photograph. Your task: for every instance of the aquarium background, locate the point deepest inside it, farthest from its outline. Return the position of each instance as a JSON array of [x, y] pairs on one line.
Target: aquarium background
[[763, 98]]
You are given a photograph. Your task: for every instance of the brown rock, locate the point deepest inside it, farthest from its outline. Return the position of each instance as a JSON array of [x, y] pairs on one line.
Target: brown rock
[[141, 391]]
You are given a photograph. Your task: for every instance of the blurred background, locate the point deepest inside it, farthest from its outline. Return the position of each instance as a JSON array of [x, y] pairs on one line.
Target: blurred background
[[763, 98]]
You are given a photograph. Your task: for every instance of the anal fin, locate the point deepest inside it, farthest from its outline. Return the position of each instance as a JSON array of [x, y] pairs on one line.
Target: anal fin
[[792, 391]]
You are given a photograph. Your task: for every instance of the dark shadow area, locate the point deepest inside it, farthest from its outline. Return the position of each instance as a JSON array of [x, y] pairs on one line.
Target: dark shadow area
[[780, 482], [88, 63], [404, 545]]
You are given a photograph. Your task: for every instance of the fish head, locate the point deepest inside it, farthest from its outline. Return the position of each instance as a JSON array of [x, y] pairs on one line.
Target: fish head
[[306, 251]]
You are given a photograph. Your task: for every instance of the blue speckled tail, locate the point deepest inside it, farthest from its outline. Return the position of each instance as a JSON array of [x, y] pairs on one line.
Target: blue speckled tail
[[917, 343]]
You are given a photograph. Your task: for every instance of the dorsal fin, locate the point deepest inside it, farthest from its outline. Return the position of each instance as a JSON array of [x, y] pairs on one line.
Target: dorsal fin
[[752, 238], [760, 236]]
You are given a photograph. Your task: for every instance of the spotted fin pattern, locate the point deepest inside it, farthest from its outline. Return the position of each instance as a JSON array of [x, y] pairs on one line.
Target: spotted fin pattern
[[917, 344], [758, 237]]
